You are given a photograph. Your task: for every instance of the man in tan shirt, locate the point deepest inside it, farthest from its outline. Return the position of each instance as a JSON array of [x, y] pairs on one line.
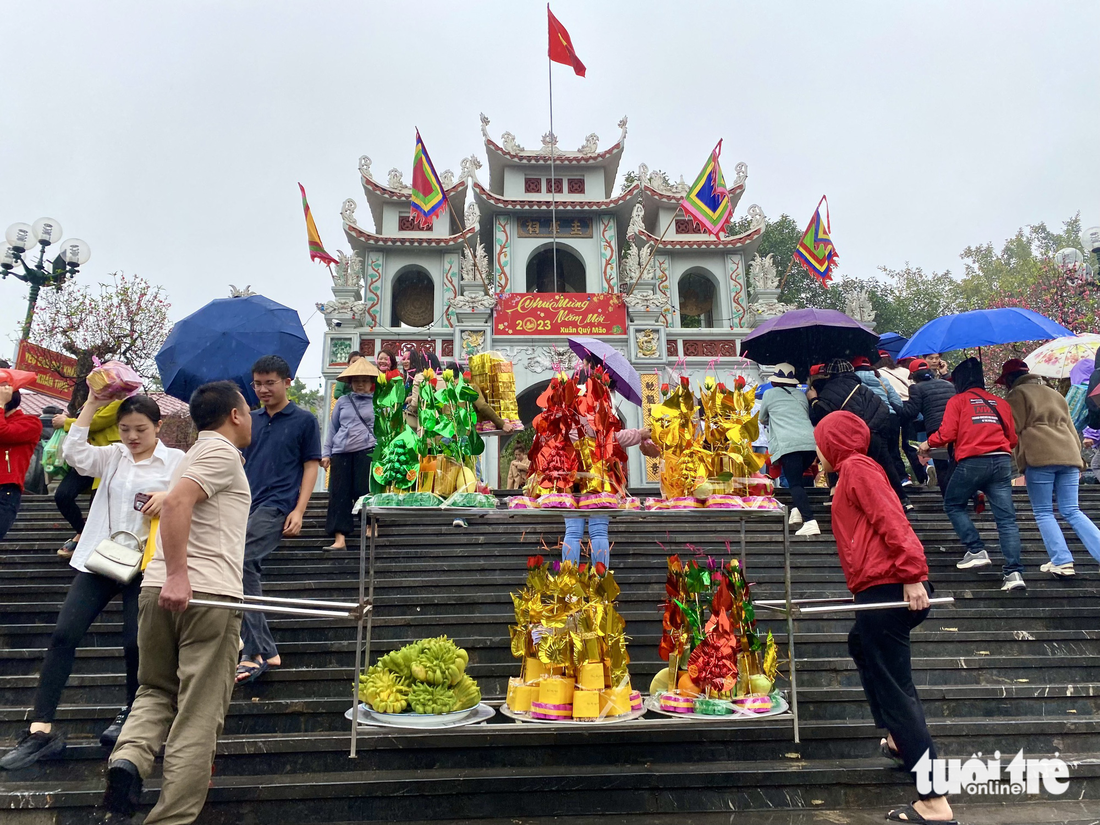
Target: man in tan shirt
[[187, 654]]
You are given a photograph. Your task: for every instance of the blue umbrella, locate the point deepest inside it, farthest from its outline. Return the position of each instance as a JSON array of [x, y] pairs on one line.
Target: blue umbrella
[[892, 343], [224, 339], [982, 328], [628, 383]]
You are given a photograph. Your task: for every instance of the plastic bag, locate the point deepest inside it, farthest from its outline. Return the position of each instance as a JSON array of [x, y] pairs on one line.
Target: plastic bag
[[52, 462], [114, 380]]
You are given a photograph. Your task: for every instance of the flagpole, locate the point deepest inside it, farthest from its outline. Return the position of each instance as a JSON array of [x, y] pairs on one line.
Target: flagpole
[[553, 197], [643, 267]]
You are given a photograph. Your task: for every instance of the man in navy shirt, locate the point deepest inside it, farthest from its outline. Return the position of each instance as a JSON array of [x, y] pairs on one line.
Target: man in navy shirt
[[281, 465]]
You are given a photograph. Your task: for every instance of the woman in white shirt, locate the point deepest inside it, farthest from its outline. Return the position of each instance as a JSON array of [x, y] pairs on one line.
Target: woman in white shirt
[[139, 464]]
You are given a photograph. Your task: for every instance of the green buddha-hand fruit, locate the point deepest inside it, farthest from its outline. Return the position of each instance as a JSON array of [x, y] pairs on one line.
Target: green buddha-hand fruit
[[424, 698], [440, 662], [467, 693], [383, 690]]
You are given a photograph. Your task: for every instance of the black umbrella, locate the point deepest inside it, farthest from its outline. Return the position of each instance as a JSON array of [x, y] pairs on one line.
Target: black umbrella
[[803, 337]]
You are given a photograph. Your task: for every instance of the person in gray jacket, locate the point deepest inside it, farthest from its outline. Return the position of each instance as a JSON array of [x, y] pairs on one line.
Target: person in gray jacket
[[785, 411], [928, 397]]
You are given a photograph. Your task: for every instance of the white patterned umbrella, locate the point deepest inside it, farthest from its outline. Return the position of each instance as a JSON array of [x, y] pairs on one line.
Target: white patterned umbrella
[[1055, 359]]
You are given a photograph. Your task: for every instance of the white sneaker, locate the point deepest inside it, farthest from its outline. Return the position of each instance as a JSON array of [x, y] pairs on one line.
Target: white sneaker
[[1059, 571], [796, 516], [1014, 581], [810, 528]]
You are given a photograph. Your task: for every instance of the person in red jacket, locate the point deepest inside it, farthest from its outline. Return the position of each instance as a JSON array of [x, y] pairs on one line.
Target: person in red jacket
[[19, 434], [980, 426], [883, 561]]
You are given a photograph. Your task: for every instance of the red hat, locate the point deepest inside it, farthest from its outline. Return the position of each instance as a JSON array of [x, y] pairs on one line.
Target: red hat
[[918, 365], [17, 378], [861, 361], [1010, 366], [883, 353], [816, 369]]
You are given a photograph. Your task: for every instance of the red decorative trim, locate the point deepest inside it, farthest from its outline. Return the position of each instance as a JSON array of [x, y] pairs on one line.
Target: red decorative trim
[[393, 194], [400, 345], [449, 348], [686, 226], [545, 203], [391, 240], [405, 223], [710, 349], [567, 158], [732, 242], [672, 349], [366, 346], [532, 186], [576, 186], [668, 197]]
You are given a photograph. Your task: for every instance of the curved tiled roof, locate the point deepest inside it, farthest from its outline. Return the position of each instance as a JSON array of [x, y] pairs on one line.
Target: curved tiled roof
[[357, 234], [561, 204]]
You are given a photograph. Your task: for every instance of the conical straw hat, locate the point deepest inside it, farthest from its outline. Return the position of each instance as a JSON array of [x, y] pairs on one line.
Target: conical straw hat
[[362, 367]]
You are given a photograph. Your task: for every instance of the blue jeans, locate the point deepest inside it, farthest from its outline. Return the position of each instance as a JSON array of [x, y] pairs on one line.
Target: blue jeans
[[992, 475], [597, 532], [1042, 484]]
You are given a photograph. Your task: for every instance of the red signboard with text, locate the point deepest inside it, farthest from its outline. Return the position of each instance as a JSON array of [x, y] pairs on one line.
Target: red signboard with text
[[55, 371], [560, 313]]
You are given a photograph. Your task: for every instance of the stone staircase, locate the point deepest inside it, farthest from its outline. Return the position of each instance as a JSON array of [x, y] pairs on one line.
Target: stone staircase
[[996, 671]]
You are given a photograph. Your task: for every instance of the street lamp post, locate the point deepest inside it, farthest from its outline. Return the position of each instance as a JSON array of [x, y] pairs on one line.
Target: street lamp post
[[21, 240]]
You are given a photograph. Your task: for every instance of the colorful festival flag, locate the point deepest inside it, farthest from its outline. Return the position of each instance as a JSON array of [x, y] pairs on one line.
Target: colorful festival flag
[[428, 197], [316, 250], [708, 200], [815, 251], [561, 45]]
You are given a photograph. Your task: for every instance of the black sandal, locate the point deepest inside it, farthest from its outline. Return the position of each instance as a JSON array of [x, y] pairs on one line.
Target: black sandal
[[908, 813], [891, 754]]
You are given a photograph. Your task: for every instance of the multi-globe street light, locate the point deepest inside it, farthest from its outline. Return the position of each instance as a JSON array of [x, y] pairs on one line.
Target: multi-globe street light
[[16, 252]]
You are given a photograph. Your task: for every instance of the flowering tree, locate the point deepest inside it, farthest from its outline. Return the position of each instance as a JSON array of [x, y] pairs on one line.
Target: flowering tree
[[126, 320]]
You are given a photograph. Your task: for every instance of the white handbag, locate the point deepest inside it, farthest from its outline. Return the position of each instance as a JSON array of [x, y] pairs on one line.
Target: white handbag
[[115, 560], [110, 557]]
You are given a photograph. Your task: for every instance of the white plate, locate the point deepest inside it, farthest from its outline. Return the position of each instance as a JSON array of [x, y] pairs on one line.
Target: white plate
[[739, 714], [456, 719], [607, 720]]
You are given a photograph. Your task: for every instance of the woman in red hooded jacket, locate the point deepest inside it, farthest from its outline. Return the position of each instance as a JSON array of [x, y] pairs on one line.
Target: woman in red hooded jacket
[[19, 434], [883, 561]]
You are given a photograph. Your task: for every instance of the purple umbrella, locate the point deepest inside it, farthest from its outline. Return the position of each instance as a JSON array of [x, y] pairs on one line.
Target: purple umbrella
[[1081, 371], [628, 383], [803, 337]]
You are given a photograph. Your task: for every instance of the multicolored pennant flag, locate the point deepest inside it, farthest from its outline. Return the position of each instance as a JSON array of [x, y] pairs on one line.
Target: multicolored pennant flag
[[428, 196], [316, 250], [561, 45], [708, 200], [815, 251]]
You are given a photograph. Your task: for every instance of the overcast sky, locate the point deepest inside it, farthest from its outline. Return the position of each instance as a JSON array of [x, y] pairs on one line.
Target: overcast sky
[[171, 136]]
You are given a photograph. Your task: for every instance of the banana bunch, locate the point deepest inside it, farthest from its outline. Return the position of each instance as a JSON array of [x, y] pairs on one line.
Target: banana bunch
[[383, 690], [467, 693], [425, 698], [440, 662], [426, 676]]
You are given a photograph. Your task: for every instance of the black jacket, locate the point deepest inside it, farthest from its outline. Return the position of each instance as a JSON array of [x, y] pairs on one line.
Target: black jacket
[[928, 397], [836, 394]]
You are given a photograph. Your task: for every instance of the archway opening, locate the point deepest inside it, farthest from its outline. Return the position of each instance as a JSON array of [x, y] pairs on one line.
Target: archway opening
[[568, 276], [696, 293], [413, 303]]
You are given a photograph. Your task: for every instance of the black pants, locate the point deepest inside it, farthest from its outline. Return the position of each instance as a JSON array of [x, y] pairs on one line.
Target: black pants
[[10, 498], [88, 596], [879, 452], [893, 444], [794, 465], [879, 645], [348, 480], [908, 436], [71, 486]]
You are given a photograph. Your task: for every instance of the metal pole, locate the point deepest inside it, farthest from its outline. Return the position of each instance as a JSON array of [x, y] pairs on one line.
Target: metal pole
[[358, 640], [287, 611], [847, 608], [32, 301], [553, 196], [790, 623], [742, 542]]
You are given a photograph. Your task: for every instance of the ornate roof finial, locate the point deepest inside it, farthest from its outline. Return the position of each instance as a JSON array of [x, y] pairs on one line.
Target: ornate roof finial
[[485, 127], [447, 178], [591, 143], [742, 170], [622, 125], [548, 140], [347, 212], [394, 179], [364, 167], [469, 168], [234, 292]]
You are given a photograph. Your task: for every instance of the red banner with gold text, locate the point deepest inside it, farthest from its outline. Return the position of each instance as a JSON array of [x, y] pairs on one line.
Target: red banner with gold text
[[560, 314], [55, 371]]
